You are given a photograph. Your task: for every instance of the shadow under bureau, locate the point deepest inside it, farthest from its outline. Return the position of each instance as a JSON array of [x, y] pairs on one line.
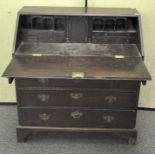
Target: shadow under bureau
[[77, 71]]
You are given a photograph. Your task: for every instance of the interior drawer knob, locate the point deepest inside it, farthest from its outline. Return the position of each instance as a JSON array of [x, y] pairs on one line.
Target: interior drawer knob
[[44, 116], [110, 99], [76, 115], [43, 97], [108, 118], [76, 96]]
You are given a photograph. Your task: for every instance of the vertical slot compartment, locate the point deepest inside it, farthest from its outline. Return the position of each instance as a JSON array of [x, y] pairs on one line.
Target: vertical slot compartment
[[37, 23], [59, 24], [98, 24], [109, 25], [26, 22], [48, 23], [121, 24], [132, 24]]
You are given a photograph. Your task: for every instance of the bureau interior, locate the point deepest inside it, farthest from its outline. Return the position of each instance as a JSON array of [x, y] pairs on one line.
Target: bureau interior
[[40, 32]]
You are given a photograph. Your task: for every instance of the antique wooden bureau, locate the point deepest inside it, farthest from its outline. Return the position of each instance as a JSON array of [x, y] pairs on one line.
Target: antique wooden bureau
[[77, 70]]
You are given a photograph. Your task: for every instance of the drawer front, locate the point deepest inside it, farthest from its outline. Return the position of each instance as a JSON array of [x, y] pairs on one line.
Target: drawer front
[[114, 40], [78, 83], [77, 118], [113, 34], [107, 99], [43, 36]]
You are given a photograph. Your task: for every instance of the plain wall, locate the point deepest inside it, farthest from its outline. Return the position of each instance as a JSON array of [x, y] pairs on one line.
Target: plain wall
[[8, 11]]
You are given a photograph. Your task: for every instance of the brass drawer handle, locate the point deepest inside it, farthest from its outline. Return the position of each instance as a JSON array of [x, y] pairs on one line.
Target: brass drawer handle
[[44, 116], [76, 115], [111, 99], [76, 96], [108, 118], [43, 97], [42, 80]]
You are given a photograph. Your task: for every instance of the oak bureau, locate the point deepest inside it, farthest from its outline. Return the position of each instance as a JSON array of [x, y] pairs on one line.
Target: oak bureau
[[77, 70]]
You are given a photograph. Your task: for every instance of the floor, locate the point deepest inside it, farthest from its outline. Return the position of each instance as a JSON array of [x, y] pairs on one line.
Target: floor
[[74, 143]]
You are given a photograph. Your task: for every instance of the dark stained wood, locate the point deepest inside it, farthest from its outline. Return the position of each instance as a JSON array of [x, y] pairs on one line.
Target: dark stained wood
[[31, 83], [37, 10], [118, 99], [103, 44], [23, 132], [62, 67], [77, 117], [78, 49]]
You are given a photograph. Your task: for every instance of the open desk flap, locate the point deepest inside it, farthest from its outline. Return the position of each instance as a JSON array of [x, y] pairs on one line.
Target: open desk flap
[[63, 67]]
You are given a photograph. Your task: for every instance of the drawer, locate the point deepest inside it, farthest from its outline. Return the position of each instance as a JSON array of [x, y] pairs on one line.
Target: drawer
[[83, 98], [73, 117], [78, 83], [32, 35], [113, 34], [114, 40]]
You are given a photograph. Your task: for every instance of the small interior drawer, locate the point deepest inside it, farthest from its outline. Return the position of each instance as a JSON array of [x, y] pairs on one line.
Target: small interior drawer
[[114, 39]]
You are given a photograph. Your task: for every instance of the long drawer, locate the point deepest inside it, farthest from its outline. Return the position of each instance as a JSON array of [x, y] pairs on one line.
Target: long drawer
[[77, 83], [80, 97], [77, 117]]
